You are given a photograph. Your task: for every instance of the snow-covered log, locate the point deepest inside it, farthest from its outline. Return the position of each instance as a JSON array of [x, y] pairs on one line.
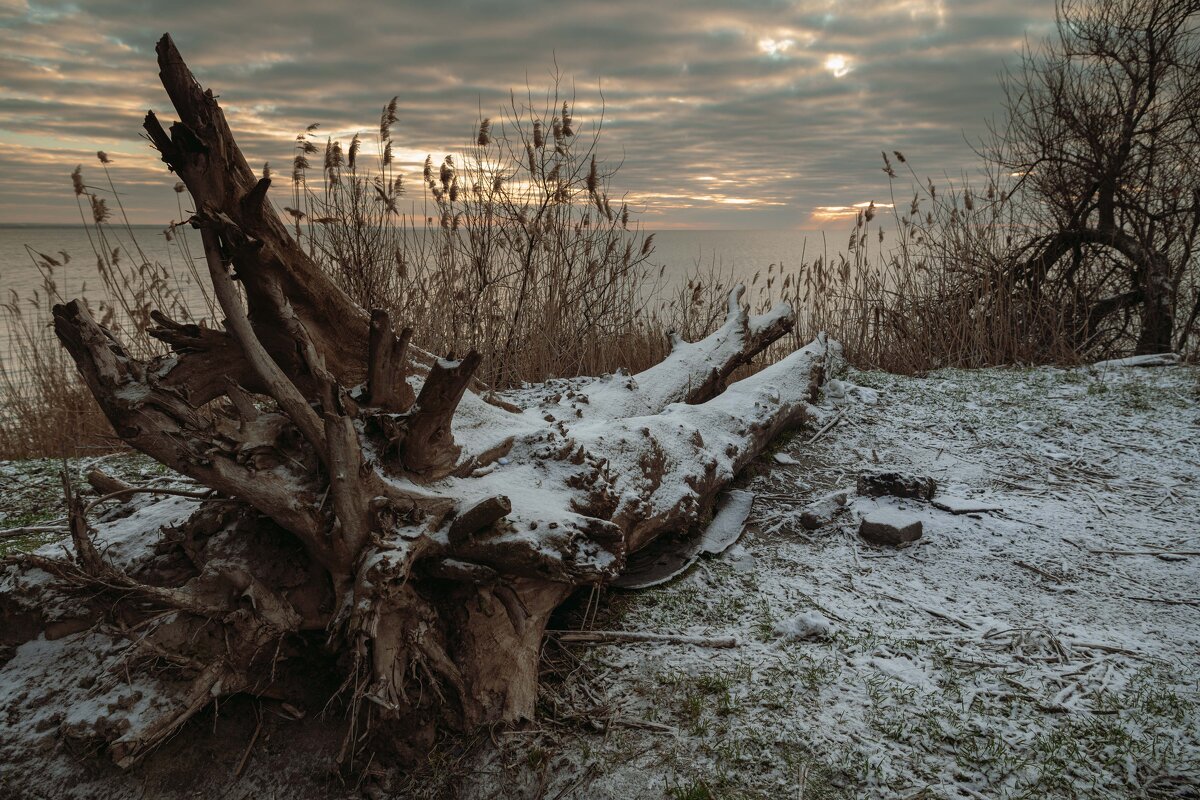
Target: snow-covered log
[[424, 532]]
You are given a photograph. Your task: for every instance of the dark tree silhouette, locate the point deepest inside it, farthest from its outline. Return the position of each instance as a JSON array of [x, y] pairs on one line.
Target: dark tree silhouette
[[1103, 127]]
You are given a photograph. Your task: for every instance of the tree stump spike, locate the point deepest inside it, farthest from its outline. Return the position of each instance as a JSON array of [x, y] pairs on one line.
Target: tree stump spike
[[429, 449], [387, 366]]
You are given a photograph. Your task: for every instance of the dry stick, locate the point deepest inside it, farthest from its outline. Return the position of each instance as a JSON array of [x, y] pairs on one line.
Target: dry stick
[[1099, 507], [629, 722], [104, 483], [146, 490], [828, 426], [249, 748], [1041, 572], [28, 529], [1146, 552], [280, 388], [933, 612], [1102, 647], [1170, 601], [785, 498], [637, 636]]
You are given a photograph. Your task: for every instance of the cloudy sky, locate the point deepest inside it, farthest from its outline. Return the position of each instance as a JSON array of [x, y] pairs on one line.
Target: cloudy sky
[[723, 113]]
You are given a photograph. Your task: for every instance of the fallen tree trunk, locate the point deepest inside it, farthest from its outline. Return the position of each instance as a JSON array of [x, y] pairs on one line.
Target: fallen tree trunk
[[423, 532]]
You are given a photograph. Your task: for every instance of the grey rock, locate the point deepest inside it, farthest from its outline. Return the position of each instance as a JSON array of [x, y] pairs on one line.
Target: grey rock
[[897, 484], [887, 526], [820, 513]]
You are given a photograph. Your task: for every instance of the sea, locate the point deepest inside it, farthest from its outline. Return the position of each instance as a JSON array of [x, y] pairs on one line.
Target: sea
[[736, 254]]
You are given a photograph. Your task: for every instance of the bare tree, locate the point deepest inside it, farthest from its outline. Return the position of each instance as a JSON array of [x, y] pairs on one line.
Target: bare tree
[[1102, 128]]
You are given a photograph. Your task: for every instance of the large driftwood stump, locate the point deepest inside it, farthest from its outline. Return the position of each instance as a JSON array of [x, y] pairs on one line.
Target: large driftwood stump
[[422, 533]]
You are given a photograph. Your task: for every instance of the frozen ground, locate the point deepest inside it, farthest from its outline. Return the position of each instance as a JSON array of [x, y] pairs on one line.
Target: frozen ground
[[1047, 649]]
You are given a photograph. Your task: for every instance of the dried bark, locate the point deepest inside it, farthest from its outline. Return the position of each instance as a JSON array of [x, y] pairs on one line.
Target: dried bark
[[431, 568]]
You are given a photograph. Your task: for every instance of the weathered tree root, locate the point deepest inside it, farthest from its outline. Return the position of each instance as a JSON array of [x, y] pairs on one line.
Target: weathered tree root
[[380, 515]]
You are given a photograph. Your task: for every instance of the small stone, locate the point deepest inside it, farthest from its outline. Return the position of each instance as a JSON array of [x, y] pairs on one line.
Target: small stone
[[821, 512], [896, 484], [886, 526]]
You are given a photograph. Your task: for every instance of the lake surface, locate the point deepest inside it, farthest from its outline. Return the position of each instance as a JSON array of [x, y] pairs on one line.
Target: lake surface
[[741, 253]]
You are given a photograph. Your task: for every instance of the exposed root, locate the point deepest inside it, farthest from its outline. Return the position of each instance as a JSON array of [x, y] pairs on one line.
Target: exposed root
[[367, 496]]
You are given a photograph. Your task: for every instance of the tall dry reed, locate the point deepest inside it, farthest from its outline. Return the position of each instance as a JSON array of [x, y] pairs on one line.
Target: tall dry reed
[[516, 247], [44, 409]]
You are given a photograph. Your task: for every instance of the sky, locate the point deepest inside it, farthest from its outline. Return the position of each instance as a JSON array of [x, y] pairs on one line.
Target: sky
[[720, 114]]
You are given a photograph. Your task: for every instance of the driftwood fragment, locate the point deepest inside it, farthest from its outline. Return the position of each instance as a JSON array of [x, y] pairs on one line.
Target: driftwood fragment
[[425, 536], [104, 483]]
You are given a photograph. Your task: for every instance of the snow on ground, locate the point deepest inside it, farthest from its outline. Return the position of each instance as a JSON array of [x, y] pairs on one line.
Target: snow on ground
[[1047, 649], [31, 493]]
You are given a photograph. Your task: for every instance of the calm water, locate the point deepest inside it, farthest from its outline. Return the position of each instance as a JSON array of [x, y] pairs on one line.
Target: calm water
[[740, 252]]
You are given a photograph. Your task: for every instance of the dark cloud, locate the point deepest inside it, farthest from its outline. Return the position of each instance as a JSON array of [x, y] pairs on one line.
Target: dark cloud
[[723, 114]]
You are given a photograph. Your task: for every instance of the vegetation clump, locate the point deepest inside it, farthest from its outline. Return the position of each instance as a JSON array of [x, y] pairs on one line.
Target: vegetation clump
[[1078, 242]]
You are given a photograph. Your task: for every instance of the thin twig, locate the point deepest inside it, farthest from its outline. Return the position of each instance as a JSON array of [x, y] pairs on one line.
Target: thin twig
[[828, 426], [643, 724], [1095, 500], [641, 636], [1041, 572], [1102, 647], [1170, 601], [250, 747], [1146, 552], [29, 529], [933, 612], [147, 490]]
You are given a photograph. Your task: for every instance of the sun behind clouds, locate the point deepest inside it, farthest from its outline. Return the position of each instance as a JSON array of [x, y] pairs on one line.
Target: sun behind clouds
[[838, 65]]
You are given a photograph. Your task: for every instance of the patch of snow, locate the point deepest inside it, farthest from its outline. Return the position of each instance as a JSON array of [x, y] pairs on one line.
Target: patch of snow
[[733, 507], [1149, 360], [887, 515], [132, 538], [1021, 653], [901, 668], [741, 559], [805, 625]]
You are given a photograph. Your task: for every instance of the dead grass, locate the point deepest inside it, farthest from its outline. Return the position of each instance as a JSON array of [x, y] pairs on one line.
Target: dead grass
[[514, 247], [518, 247], [44, 409]]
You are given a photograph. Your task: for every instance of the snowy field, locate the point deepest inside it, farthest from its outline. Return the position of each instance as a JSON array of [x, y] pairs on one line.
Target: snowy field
[[1047, 648], [1050, 648]]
